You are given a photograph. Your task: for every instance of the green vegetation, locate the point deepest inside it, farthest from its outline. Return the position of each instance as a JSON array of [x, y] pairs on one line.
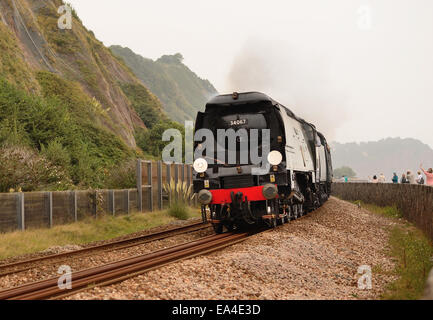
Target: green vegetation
[[150, 141], [122, 177], [178, 211], [143, 103], [60, 130], [83, 232], [344, 172], [63, 41], [413, 254], [12, 66], [77, 124], [180, 90], [23, 168], [181, 196], [389, 212]]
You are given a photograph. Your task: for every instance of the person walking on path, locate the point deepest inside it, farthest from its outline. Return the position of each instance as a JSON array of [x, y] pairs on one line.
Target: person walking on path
[[404, 179], [382, 178], [429, 176], [395, 178]]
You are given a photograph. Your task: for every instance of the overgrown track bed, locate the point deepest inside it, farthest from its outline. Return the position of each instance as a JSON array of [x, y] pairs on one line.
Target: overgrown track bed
[[24, 265], [122, 269]]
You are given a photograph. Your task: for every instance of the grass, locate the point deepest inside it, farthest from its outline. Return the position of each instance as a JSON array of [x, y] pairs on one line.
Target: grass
[[178, 211], [412, 252], [389, 212], [83, 232]]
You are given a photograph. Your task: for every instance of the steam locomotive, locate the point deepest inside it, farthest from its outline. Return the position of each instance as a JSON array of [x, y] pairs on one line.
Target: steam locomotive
[[297, 176]]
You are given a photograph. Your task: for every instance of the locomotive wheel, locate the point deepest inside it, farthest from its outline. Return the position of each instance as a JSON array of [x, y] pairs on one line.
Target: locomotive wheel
[[280, 221], [271, 223], [290, 214], [301, 211], [218, 228], [295, 212]]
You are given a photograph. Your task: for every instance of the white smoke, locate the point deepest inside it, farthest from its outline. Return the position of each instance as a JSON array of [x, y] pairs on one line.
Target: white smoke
[[302, 81]]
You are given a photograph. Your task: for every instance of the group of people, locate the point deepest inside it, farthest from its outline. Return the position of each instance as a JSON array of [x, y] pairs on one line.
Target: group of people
[[409, 177], [376, 179]]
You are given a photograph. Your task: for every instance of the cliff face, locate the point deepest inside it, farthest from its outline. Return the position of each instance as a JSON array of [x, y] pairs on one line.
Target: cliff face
[[31, 42], [180, 90]]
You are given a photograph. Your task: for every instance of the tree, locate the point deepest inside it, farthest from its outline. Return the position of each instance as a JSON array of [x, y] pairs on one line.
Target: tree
[[344, 172], [150, 141]]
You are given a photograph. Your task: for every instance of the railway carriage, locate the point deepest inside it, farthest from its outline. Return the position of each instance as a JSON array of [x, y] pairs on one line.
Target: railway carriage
[[236, 193]]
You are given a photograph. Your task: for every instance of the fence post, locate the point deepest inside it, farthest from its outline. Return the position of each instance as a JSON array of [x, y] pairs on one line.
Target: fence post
[[112, 202], [176, 173], [20, 211], [150, 183], [160, 200], [126, 195], [191, 170], [188, 175], [139, 187], [50, 208], [95, 204], [75, 206], [169, 181]]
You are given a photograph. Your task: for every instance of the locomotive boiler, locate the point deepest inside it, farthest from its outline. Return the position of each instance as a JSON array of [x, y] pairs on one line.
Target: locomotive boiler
[[293, 179]]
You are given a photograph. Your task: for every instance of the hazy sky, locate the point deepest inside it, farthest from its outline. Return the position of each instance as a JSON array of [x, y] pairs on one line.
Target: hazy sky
[[361, 70]]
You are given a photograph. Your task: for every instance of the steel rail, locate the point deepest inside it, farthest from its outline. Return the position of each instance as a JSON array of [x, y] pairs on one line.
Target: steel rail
[[122, 269], [110, 246]]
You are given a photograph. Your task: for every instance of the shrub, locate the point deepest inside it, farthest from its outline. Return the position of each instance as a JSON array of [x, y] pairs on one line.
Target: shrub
[[150, 141], [63, 125], [22, 168], [122, 176], [56, 153], [180, 198], [144, 103], [178, 211]]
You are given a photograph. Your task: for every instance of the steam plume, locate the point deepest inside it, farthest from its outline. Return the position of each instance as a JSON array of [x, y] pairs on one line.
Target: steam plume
[[302, 81]]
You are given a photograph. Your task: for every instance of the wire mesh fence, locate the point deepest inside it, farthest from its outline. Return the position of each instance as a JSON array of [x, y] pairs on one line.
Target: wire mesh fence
[[20, 211]]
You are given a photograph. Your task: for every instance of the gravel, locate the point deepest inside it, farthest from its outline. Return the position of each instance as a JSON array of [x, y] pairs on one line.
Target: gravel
[[316, 257], [48, 269]]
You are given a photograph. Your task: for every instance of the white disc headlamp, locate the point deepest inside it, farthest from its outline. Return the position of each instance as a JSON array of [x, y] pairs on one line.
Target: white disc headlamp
[[200, 165], [275, 158]]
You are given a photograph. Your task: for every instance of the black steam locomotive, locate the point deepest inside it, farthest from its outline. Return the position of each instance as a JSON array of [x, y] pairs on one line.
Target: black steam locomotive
[[296, 179]]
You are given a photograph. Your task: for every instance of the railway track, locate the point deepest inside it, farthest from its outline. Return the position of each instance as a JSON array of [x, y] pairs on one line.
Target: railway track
[[25, 265], [122, 269]]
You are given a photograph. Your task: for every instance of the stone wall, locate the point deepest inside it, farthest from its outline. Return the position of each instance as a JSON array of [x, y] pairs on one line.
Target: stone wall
[[414, 201]]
